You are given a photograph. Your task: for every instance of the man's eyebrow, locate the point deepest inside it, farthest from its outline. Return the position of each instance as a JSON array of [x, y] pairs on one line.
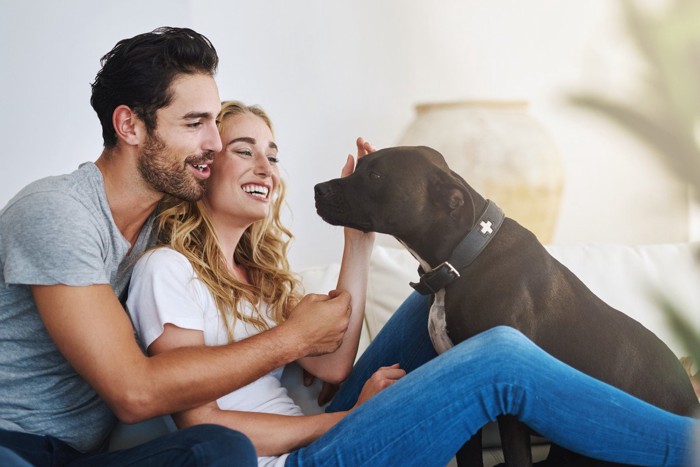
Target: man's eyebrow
[[190, 115], [249, 140]]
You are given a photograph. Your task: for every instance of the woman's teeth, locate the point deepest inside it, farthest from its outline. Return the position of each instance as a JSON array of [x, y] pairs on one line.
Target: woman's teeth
[[256, 190]]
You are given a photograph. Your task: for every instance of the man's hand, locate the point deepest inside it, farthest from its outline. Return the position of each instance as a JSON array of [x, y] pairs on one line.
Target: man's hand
[[320, 321]]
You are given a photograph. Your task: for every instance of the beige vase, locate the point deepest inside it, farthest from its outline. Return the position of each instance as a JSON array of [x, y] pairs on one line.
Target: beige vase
[[501, 151]]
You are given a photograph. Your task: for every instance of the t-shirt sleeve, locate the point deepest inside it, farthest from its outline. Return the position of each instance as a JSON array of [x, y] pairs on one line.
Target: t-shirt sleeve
[[164, 289], [52, 238]]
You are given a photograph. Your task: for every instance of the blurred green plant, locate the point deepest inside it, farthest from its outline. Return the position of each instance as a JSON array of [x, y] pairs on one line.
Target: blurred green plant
[[667, 116]]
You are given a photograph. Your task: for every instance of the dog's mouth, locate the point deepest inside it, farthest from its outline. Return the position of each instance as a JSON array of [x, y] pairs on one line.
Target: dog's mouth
[[333, 208], [340, 218]]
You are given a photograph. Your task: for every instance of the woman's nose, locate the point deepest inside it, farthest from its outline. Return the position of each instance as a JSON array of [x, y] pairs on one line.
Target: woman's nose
[[263, 165]]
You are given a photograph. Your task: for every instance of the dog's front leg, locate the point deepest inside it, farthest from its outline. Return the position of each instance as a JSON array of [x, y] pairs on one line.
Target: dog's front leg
[[515, 441], [469, 455]]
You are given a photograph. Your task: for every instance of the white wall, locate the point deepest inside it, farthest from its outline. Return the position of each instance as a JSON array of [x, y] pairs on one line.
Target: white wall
[[328, 72]]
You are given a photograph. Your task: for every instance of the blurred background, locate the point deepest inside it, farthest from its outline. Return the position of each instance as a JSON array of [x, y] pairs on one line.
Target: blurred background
[[329, 71]]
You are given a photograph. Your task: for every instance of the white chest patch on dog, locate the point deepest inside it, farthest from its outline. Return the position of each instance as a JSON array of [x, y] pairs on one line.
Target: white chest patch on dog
[[437, 325]]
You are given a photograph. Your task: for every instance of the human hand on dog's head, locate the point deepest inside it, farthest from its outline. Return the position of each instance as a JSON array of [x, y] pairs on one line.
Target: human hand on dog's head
[[363, 148]]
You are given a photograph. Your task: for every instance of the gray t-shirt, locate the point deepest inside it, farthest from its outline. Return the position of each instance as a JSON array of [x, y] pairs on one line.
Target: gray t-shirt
[[57, 230]]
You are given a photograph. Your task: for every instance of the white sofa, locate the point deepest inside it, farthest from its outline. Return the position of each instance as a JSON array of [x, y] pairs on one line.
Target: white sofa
[[627, 277]]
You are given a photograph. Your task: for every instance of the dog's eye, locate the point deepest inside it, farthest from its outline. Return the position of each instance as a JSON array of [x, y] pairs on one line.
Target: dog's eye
[[375, 175]]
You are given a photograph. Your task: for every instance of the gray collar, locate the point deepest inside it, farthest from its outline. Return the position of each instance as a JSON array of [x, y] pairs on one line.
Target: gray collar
[[464, 254]]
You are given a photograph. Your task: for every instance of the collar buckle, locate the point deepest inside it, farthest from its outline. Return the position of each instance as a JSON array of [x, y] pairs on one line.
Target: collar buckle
[[485, 228], [436, 279]]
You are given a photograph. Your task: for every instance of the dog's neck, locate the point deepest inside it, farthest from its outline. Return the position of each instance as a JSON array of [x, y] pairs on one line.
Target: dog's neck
[[436, 244], [442, 273]]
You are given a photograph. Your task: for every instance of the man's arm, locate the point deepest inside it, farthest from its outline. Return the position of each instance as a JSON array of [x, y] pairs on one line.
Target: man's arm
[[93, 332], [271, 433]]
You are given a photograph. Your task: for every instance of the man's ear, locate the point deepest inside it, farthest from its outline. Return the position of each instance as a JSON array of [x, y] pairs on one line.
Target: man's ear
[[128, 126]]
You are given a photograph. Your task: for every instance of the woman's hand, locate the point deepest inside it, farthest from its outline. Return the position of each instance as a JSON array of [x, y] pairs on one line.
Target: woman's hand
[[363, 148], [380, 380]]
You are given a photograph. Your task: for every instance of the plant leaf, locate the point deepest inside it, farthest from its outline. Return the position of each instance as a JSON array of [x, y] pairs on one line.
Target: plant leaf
[[680, 151]]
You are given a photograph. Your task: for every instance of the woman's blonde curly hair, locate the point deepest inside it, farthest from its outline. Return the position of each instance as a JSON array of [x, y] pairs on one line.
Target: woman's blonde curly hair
[[186, 227]]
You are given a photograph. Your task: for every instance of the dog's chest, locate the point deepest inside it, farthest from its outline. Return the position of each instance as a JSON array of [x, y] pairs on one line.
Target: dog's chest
[[437, 325]]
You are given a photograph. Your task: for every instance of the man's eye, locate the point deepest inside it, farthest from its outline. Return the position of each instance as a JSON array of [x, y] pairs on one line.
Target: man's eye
[[194, 124]]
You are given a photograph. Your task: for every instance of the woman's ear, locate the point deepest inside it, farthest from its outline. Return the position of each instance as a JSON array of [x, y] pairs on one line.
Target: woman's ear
[[128, 126]]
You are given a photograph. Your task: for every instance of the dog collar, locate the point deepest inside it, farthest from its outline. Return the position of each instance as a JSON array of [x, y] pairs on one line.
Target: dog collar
[[468, 249]]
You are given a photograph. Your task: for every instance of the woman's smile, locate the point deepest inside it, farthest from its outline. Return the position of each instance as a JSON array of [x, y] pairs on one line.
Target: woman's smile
[[260, 192]]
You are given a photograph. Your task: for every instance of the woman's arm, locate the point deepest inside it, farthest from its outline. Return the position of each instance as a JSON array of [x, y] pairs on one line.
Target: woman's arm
[[272, 434], [335, 367]]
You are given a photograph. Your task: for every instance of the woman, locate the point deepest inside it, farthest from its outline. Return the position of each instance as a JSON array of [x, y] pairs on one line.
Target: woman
[[222, 275]]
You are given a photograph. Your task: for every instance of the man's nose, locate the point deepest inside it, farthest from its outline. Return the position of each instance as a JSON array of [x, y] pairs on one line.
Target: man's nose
[[212, 140]]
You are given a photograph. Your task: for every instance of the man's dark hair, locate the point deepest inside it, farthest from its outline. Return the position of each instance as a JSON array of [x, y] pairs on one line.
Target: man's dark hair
[[138, 73]]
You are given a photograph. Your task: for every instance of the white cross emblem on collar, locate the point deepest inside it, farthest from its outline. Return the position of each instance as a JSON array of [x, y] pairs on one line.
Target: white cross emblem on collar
[[486, 227]]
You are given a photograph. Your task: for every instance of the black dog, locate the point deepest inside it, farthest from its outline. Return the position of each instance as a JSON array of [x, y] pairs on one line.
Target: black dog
[[486, 270]]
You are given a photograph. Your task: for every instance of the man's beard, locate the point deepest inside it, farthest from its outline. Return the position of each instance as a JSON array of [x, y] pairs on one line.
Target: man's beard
[[167, 173]]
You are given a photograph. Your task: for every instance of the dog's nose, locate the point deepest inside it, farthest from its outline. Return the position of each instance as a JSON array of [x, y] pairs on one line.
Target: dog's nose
[[321, 190]]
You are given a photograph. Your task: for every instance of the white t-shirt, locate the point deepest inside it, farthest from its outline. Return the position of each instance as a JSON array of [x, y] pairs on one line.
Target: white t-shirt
[[165, 289]]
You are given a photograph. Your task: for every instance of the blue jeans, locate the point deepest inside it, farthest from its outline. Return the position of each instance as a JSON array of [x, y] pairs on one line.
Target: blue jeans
[[202, 445], [424, 418]]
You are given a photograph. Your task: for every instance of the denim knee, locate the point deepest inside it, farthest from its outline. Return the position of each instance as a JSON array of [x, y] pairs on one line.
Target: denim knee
[[215, 445], [502, 350], [506, 334], [502, 338]]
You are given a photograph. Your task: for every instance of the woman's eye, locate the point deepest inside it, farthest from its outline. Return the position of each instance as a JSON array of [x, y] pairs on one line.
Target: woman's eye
[[273, 159], [245, 153]]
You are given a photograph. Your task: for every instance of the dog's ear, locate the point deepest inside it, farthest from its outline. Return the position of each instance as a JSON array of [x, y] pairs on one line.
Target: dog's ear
[[446, 191], [459, 177]]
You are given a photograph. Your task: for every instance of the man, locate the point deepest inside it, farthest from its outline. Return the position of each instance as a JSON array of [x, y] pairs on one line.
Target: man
[[69, 362]]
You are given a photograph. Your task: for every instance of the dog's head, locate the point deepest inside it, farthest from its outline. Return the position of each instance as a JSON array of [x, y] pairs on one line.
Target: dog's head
[[401, 191]]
